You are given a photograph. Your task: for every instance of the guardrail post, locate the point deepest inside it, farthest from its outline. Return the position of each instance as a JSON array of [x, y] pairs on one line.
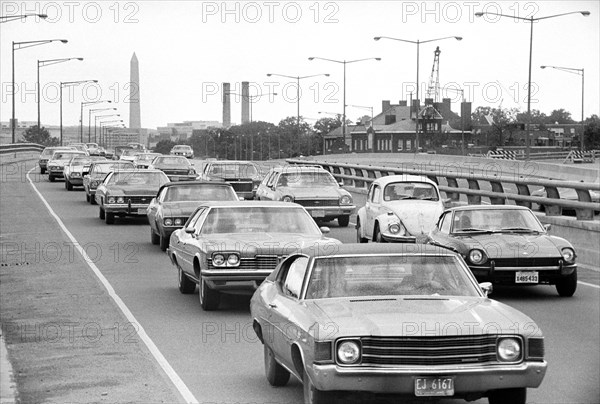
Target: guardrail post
[[497, 187], [359, 173], [584, 214], [552, 210], [473, 199], [454, 196], [523, 189], [347, 171]]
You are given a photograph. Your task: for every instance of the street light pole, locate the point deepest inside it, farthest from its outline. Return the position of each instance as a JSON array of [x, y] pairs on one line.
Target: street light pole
[[575, 71], [344, 62], [9, 18], [42, 63], [23, 45], [101, 117], [531, 20], [90, 120], [418, 43], [86, 103], [67, 84]]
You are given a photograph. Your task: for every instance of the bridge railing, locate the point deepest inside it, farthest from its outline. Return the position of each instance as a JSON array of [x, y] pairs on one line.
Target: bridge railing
[[360, 176], [20, 147]]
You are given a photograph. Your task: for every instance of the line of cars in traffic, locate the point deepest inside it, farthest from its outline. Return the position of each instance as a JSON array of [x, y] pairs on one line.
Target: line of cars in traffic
[[408, 318]]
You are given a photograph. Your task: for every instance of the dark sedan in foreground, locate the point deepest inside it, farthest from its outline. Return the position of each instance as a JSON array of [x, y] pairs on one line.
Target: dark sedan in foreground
[[176, 201], [98, 172], [406, 320], [507, 244]]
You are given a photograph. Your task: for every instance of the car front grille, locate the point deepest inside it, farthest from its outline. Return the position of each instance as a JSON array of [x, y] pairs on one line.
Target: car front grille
[[527, 262], [428, 351], [260, 262], [176, 172], [138, 199], [317, 202]]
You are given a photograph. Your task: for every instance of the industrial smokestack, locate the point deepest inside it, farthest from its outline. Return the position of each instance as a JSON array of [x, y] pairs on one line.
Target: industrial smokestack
[[226, 105], [245, 102]]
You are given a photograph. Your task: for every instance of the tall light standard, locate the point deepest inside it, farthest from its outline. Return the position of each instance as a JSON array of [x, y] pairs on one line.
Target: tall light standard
[[17, 46], [104, 131], [90, 120], [344, 62], [531, 21], [68, 84], [83, 104], [576, 71], [102, 117], [42, 63], [8, 18], [462, 119], [418, 43]]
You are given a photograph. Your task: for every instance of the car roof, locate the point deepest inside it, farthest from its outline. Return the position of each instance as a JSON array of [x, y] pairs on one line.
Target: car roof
[[377, 249], [231, 162], [145, 170], [403, 178], [301, 168], [248, 203], [487, 207], [197, 183]]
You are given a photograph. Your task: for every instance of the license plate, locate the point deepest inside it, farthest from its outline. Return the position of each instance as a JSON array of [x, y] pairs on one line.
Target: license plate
[[317, 213], [434, 386], [174, 179], [527, 277], [142, 211]]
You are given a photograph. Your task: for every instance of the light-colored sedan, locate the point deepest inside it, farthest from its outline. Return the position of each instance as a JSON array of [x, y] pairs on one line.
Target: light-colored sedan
[[399, 208], [77, 168], [407, 320], [60, 158]]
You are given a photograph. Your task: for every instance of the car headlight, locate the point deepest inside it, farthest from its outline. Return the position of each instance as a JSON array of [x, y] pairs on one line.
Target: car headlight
[[111, 199], [218, 260], [75, 174], [120, 199], [233, 260], [568, 255], [288, 198], [348, 352], [477, 257], [396, 229], [346, 200], [509, 349], [178, 222], [192, 171], [168, 221], [94, 184]]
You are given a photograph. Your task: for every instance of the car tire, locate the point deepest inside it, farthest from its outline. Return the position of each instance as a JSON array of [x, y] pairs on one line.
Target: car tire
[[512, 396], [276, 374], [154, 238], [68, 185], [164, 243], [101, 214], [312, 395], [42, 170], [93, 199], [50, 178], [209, 298], [343, 221], [378, 237], [185, 285], [109, 218], [87, 198], [567, 285], [360, 239]]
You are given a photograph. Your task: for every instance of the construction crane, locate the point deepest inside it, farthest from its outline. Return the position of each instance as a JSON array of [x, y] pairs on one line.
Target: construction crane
[[433, 90]]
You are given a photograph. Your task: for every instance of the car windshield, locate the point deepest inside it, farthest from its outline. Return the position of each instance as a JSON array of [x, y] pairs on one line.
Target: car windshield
[[307, 180], [106, 168], [64, 156], [495, 221], [182, 161], [146, 157], [410, 190], [234, 170], [263, 219], [92, 145], [181, 148], [80, 161], [200, 193], [130, 152], [384, 275], [152, 179], [49, 152]]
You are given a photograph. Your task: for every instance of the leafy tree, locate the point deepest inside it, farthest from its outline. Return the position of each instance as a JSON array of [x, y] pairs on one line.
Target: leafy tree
[[164, 146], [34, 134], [325, 125], [592, 133], [560, 116], [502, 122]]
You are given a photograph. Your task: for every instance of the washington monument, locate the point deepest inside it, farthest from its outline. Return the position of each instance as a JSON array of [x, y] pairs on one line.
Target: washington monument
[[134, 94]]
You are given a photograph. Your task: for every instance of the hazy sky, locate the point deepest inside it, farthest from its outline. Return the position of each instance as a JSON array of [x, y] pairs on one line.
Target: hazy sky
[[186, 49]]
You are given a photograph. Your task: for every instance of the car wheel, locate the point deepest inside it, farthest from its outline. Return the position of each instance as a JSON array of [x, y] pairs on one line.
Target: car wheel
[[42, 170], [87, 198], [567, 285], [312, 395], [101, 214], [164, 243], [50, 178], [513, 396], [359, 238], [109, 218], [276, 374], [378, 237], [186, 286], [154, 238], [68, 185], [92, 199], [343, 221], [209, 299]]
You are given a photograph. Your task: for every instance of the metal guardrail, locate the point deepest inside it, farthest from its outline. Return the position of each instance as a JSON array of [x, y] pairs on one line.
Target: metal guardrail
[[20, 147], [360, 176]]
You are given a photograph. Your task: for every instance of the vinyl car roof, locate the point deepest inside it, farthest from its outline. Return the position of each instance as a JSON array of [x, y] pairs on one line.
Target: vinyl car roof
[[352, 249], [235, 204], [487, 207], [197, 183], [403, 178]]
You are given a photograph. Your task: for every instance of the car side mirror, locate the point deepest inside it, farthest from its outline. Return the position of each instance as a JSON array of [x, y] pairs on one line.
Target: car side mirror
[[190, 230], [324, 229], [447, 202], [486, 288], [341, 183], [547, 226]]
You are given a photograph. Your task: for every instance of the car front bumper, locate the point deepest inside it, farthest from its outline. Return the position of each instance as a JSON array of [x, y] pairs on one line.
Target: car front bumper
[[56, 172], [222, 279], [174, 178], [547, 275], [76, 181], [330, 211], [135, 209], [467, 379]]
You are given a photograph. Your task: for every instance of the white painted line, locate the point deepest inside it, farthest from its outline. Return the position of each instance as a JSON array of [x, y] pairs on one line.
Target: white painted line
[[588, 284], [162, 361]]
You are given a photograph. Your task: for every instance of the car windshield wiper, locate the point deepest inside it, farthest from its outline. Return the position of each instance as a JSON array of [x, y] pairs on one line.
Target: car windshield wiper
[[474, 230], [519, 229], [405, 197]]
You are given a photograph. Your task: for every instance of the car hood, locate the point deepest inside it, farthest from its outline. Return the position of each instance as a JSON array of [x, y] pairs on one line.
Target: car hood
[[419, 217], [512, 245], [57, 162], [312, 193], [418, 316], [250, 244], [133, 190]]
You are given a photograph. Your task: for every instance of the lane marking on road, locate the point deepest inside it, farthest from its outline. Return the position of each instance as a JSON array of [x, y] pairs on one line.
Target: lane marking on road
[[162, 361], [588, 284]]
